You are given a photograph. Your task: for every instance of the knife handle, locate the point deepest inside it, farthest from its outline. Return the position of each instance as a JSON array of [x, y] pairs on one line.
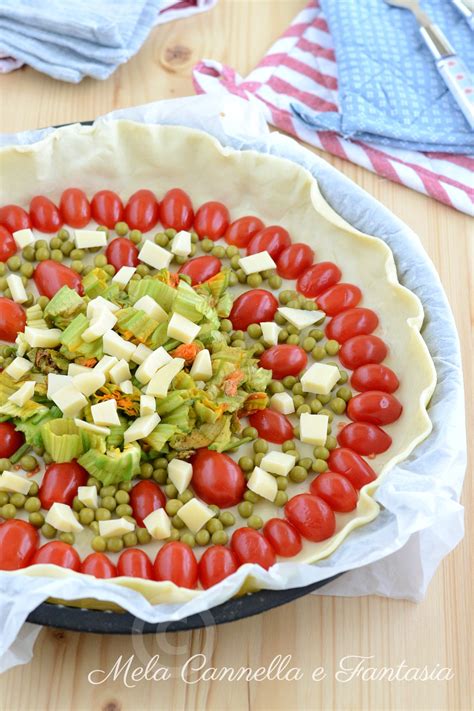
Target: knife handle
[[460, 83]]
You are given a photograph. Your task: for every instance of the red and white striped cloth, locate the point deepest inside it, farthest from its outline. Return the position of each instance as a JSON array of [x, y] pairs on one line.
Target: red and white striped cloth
[[302, 65]]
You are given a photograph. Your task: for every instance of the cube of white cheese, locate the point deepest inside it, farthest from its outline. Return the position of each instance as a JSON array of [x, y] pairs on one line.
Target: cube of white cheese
[[158, 524], [115, 527], [9, 481], [56, 382], [43, 337], [180, 473], [154, 255], [195, 515], [87, 495], [141, 354], [89, 383], [124, 275], [69, 400], [115, 345], [259, 262], [263, 484], [120, 372], [147, 405], [15, 284], [93, 429], [278, 463], [105, 413], [105, 364], [270, 331], [181, 243], [18, 368], [202, 366], [299, 318], [320, 378], [182, 329], [314, 429], [126, 386], [23, 238], [25, 393], [88, 239], [98, 304], [141, 427], [161, 381], [75, 369], [282, 402], [61, 517], [102, 321], [155, 360], [151, 308]]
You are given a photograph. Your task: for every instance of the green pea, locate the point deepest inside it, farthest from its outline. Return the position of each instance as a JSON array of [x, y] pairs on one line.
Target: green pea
[[344, 393], [285, 296], [254, 330], [324, 399], [318, 353], [100, 260], [332, 347], [174, 535], [227, 519], [255, 522], [3, 283], [3, 269], [108, 502], [298, 474], [48, 531], [238, 334], [55, 243], [293, 340], [319, 466], [232, 251], [66, 248], [63, 234], [18, 500], [124, 510], [298, 400], [114, 545], [321, 453], [279, 319], [68, 538], [316, 406], [14, 263], [293, 304], [121, 228], [238, 343], [283, 335], [246, 464], [57, 255], [42, 254], [274, 282], [308, 344], [32, 505], [77, 504], [338, 405], [250, 432], [287, 445], [260, 445], [309, 305], [135, 236], [251, 496], [146, 470], [215, 509], [219, 538], [235, 262], [203, 537], [143, 270], [207, 245], [160, 476], [258, 348], [143, 536], [232, 279], [108, 490], [36, 519], [77, 254], [27, 270], [177, 522], [170, 232], [5, 464], [28, 463], [306, 463], [94, 527], [130, 539], [292, 330], [188, 539], [172, 506], [254, 280], [258, 458], [281, 498], [289, 381], [328, 414], [103, 514], [218, 251], [161, 239], [276, 387], [214, 525], [331, 442], [245, 509], [86, 516], [3, 498], [297, 389], [122, 497], [29, 253]]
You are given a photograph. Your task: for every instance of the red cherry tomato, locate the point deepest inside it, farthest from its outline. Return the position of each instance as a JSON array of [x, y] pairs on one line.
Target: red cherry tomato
[[354, 468], [176, 562], [176, 210], [241, 231], [364, 438], [271, 425], [350, 323], [44, 214], [18, 543], [338, 298], [12, 320], [201, 269], [107, 208], [7, 244], [283, 537], [98, 565], [283, 360], [75, 208], [217, 563], [217, 479], [142, 211], [374, 376], [374, 406], [311, 516], [272, 239], [60, 483], [253, 306], [211, 220], [135, 563], [10, 439], [250, 546], [121, 252], [336, 490], [318, 278], [57, 553], [14, 218], [361, 350], [294, 260], [146, 497], [50, 277]]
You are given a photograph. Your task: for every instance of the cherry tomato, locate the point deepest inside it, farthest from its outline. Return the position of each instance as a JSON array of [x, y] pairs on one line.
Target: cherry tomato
[[44, 214], [250, 546], [271, 425], [253, 306], [217, 563], [121, 252], [211, 220], [7, 244], [176, 210], [354, 468], [350, 323], [135, 563], [241, 231], [318, 278], [339, 297], [364, 438], [294, 260], [18, 543], [50, 277], [176, 562], [374, 376], [57, 553], [10, 439], [107, 208], [217, 479], [374, 406], [14, 218], [311, 516], [336, 490], [12, 320], [283, 537], [201, 268], [283, 360], [272, 239], [60, 483], [146, 497], [360, 350], [142, 211], [98, 565], [75, 208]]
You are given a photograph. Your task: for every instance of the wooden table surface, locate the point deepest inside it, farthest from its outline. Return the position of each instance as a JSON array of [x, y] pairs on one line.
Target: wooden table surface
[[315, 631]]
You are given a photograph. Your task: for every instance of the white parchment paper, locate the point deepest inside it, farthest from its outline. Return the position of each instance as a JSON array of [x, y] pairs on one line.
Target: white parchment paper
[[421, 520]]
